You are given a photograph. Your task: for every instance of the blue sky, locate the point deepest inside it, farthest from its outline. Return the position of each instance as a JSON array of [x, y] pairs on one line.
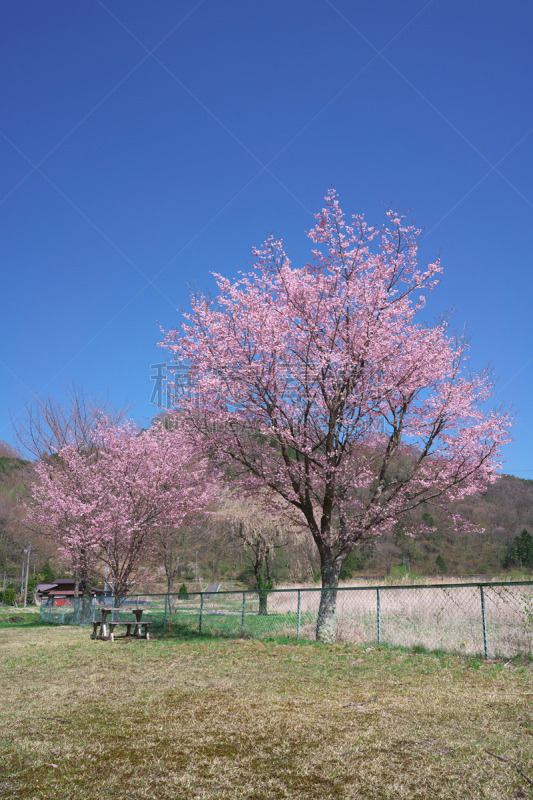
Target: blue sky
[[145, 144]]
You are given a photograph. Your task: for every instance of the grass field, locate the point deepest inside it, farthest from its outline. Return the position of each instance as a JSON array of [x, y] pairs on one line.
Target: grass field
[[212, 718]]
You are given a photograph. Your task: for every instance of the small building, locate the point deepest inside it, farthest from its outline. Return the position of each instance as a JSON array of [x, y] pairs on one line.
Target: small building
[[62, 591], [42, 589]]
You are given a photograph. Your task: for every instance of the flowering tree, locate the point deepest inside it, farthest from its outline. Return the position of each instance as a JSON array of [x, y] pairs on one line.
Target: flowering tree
[[105, 504], [319, 383], [47, 425]]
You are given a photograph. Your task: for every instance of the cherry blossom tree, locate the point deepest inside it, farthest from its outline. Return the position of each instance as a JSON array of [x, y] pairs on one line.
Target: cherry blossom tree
[[47, 425], [105, 504], [321, 383]]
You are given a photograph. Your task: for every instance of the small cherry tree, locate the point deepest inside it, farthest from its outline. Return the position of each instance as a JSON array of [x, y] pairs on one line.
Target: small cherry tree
[[105, 504], [320, 383]]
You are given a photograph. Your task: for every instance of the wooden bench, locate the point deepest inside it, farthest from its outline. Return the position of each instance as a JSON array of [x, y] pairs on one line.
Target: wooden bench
[[141, 629], [138, 632]]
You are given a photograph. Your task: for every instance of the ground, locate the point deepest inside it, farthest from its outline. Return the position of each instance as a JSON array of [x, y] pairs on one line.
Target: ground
[[206, 718]]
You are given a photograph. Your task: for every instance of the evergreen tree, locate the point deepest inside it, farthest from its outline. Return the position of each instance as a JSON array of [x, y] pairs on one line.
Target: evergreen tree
[[47, 573], [441, 564], [519, 552]]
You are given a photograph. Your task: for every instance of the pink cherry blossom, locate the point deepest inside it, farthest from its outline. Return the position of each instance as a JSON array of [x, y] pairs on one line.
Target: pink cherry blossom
[[321, 383], [103, 504]]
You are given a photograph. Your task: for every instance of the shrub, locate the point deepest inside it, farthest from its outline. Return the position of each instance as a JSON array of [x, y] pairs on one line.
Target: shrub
[[183, 594], [397, 573], [353, 563], [441, 564], [9, 597]]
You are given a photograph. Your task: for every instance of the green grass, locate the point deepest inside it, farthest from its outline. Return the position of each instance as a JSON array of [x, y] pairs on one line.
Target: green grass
[[29, 615], [222, 624], [210, 718]]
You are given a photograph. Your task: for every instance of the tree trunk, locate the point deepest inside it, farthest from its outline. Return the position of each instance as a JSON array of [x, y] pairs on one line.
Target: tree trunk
[[76, 598], [261, 589], [83, 583], [263, 603], [170, 587], [263, 586], [330, 567]]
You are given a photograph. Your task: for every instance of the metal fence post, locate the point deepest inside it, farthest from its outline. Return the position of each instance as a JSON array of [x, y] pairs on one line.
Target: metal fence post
[[201, 611], [63, 612], [50, 616], [243, 608], [165, 617], [299, 613], [378, 610], [484, 618]]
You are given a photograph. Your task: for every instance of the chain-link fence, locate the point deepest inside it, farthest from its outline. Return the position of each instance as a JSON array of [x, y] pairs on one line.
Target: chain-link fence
[[492, 619]]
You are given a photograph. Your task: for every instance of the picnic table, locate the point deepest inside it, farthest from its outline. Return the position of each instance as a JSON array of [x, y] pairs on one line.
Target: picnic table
[[141, 629]]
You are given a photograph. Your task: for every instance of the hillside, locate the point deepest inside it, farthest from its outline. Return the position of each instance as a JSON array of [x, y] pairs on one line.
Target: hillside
[[503, 511], [14, 477], [10, 465], [10, 461]]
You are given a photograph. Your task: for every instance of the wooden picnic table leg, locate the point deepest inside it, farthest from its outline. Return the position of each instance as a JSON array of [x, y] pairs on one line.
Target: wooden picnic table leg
[[137, 613], [103, 626]]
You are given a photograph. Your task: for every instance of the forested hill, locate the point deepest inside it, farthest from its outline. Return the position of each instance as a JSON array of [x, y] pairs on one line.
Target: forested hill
[[14, 480], [10, 465], [507, 506], [504, 510], [6, 451], [10, 461]]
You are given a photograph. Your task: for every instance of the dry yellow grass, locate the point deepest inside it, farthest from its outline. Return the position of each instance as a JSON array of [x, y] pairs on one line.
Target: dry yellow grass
[[437, 617], [249, 720]]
